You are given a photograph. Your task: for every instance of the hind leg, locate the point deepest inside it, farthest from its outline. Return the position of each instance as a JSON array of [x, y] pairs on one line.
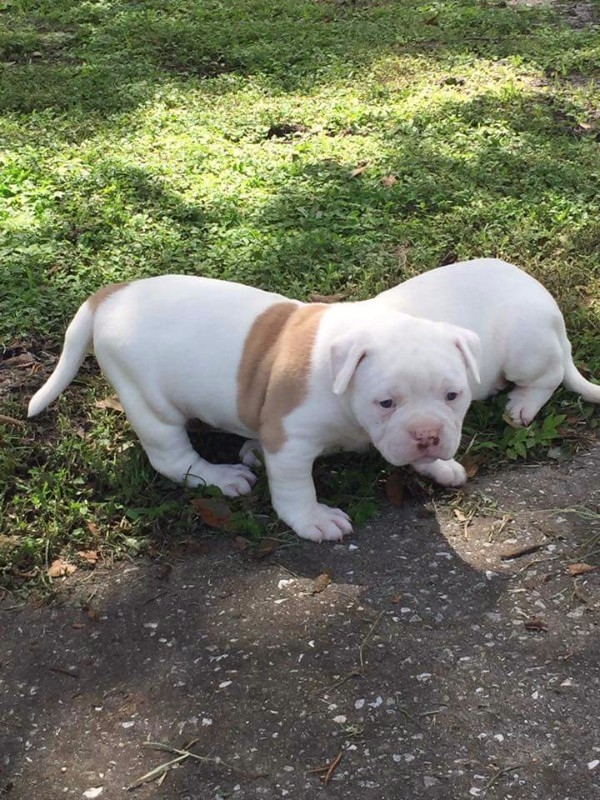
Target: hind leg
[[524, 402], [536, 369], [170, 451]]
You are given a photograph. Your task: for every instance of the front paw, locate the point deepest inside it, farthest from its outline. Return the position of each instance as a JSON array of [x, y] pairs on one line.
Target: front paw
[[320, 523], [446, 473], [232, 479], [250, 452]]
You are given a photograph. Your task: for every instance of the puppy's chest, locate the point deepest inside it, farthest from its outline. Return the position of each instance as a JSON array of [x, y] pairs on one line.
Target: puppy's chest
[[346, 440]]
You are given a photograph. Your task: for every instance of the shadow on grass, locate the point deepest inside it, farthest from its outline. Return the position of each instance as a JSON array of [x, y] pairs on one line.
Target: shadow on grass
[[108, 58]]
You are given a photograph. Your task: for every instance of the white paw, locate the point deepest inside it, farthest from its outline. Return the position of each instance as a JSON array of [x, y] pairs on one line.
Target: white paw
[[446, 473], [519, 413], [322, 523], [232, 479], [249, 451]]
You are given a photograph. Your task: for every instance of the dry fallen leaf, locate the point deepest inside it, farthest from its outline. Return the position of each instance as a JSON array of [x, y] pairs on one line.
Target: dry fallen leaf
[[60, 568], [110, 402], [213, 511], [240, 543], [89, 556], [321, 582], [460, 515], [536, 625], [266, 547], [581, 569], [327, 298], [389, 180], [359, 169], [470, 464], [395, 489], [396, 598]]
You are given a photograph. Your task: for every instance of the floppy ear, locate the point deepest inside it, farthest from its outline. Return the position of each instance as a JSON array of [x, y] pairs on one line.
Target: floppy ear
[[346, 353], [469, 346]]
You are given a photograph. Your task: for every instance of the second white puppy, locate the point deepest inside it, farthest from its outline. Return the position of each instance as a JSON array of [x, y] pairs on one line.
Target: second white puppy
[[521, 329], [301, 378]]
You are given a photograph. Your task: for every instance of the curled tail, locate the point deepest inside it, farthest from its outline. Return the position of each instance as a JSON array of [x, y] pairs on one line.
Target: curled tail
[[77, 341], [575, 381]]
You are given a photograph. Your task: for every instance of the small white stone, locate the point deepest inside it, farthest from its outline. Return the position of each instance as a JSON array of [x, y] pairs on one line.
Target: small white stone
[[95, 791], [340, 719], [397, 758], [206, 721], [498, 737], [225, 684], [285, 582], [474, 791], [129, 724], [593, 764], [358, 704]]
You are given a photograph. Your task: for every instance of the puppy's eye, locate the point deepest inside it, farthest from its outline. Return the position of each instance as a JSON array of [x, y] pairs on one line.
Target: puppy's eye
[[386, 403], [451, 396]]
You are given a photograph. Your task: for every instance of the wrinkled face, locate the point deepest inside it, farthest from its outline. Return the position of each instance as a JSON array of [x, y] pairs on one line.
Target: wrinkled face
[[411, 397]]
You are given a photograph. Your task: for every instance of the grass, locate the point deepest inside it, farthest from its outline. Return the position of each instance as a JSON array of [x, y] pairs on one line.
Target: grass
[[222, 139]]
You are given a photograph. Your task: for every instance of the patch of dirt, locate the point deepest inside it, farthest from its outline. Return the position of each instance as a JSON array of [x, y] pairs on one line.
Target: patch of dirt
[[577, 13], [447, 650]]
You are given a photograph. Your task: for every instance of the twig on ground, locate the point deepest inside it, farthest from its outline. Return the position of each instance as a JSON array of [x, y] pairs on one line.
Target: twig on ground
[[182, 754], [157, 772], [367, 637], [500, 773], [327, 770], [354, 673]]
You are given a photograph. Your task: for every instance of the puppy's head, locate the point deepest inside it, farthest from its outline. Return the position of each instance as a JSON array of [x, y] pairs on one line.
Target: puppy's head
[[408, 383]]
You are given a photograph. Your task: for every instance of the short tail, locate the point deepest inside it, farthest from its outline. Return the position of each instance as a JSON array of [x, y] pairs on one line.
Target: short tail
[[575, 381], [77, 341]]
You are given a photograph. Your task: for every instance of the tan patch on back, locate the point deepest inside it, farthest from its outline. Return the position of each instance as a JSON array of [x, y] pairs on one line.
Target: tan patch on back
[[275, 368], [100, 296]]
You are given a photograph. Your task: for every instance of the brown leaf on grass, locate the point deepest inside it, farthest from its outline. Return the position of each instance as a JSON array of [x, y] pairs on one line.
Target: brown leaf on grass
[[93, 614], [360, 168], [389, 180], [240, 543], [6, 420], [93, 528], [110, 402], [321, 582], [60, 568], [327, 298], [581, 569], [89, 556], [267, 546], [460, 515], [395, 489], [22, 360], [213, 511], [471, 465]]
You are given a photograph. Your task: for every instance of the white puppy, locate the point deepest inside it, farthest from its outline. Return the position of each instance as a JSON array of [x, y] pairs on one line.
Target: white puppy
[[520, 326], [301, 378]]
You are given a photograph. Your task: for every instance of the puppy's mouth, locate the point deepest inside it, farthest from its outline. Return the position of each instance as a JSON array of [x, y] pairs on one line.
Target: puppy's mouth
[[400, 456]]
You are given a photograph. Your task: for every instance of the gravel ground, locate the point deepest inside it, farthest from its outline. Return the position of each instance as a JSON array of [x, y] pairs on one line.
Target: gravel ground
[[432, 657]]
